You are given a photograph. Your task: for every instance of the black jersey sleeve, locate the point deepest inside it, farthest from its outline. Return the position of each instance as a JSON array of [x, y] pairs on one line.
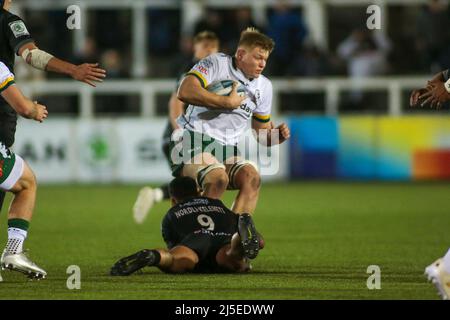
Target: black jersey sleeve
[[168, 232], [446, 74], [16, 32]]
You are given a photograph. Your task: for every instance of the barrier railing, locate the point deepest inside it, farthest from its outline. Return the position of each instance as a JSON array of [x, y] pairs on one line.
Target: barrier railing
[[149, 89]]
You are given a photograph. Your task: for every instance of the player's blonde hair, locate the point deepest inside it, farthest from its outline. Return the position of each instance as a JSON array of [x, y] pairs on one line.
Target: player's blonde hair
[[252, 38]]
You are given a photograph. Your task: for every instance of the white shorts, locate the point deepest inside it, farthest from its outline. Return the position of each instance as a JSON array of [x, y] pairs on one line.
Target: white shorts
[[14, 175]]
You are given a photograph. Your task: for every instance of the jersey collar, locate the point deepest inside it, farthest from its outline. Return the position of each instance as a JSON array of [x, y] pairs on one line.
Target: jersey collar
[[239, 74]]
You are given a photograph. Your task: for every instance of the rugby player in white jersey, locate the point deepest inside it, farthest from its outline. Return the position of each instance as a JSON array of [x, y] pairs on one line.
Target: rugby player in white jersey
[[205, 44], [436, 94], [213, 125], [16, 177]]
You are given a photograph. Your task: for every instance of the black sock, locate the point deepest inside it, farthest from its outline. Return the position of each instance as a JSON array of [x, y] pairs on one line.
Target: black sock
[[157, 258], [165, 190]]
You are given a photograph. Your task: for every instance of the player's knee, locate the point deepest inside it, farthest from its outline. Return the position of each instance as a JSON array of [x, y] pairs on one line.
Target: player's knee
[[219, 179], [27, 181], [213, 179], [244, 175], [248, 178], [29, 178], [184, 260]]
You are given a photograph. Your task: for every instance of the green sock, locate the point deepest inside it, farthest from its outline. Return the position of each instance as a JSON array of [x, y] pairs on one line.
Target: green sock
[[18, 224], [17, 233]]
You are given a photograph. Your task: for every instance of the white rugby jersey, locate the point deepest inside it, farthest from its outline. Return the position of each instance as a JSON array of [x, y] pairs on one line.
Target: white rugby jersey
[[6, 77], [224, 125]]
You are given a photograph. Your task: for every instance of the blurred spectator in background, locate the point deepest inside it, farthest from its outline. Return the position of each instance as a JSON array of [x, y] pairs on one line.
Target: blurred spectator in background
[[111, 29], [287, 28], [213, 21], [88, 52], [112, 61], [240, 20], [365, 53], [163, 41], [184, 56], [311, 61], [433, 36]]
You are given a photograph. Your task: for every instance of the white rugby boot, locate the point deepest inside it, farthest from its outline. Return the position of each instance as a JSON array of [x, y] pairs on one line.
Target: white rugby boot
[[144, 203], [439, 277], [21, 263]]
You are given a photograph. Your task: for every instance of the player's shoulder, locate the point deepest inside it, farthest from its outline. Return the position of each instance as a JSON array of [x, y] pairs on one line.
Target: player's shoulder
[[264, 84], [219, 57], [9, 16], [3, 67], [265, 81]]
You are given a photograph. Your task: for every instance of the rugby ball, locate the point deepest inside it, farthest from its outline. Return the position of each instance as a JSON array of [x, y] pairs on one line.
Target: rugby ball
[[223, 88]]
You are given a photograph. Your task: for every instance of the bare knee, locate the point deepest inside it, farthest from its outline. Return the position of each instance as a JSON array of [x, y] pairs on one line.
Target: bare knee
[[184, 260], [215, 183], [248, 178], [26, 182], [217, 178]]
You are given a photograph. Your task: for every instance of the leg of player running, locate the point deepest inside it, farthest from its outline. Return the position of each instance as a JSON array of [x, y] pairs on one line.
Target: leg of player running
[[244, 177], [248, 182], [19, 217], [179, 259], [147, 198], [24, 190], [209, 173]]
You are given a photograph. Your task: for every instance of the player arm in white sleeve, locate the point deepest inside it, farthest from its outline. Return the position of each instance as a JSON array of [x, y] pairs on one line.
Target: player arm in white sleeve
[[14, 97], [265, 131], [193, 87]]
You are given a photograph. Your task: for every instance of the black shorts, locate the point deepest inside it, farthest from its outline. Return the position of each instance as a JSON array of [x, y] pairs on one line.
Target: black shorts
[[8, 123], [206, 246]]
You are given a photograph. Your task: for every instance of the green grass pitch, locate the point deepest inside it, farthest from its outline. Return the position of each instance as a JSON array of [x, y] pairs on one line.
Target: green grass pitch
[[320, 239]]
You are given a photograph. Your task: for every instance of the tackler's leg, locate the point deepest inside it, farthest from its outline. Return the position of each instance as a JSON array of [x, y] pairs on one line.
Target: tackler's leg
[[243, 176]]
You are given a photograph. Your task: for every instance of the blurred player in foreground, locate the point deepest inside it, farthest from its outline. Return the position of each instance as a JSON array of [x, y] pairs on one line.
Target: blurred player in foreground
[[205, 44], [201, 234], [16, 177], [16, 40], [436, 94]]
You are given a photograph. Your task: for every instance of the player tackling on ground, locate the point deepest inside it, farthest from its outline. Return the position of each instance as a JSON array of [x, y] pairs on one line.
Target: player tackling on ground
[[214, 124], [205, 44], [436, 94], [202, 235], [17, 177]]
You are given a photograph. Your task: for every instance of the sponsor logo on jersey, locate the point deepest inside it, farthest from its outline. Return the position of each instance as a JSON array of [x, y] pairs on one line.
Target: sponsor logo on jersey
[[4, 151], [18, 28], [203, 70], [206, 63]]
